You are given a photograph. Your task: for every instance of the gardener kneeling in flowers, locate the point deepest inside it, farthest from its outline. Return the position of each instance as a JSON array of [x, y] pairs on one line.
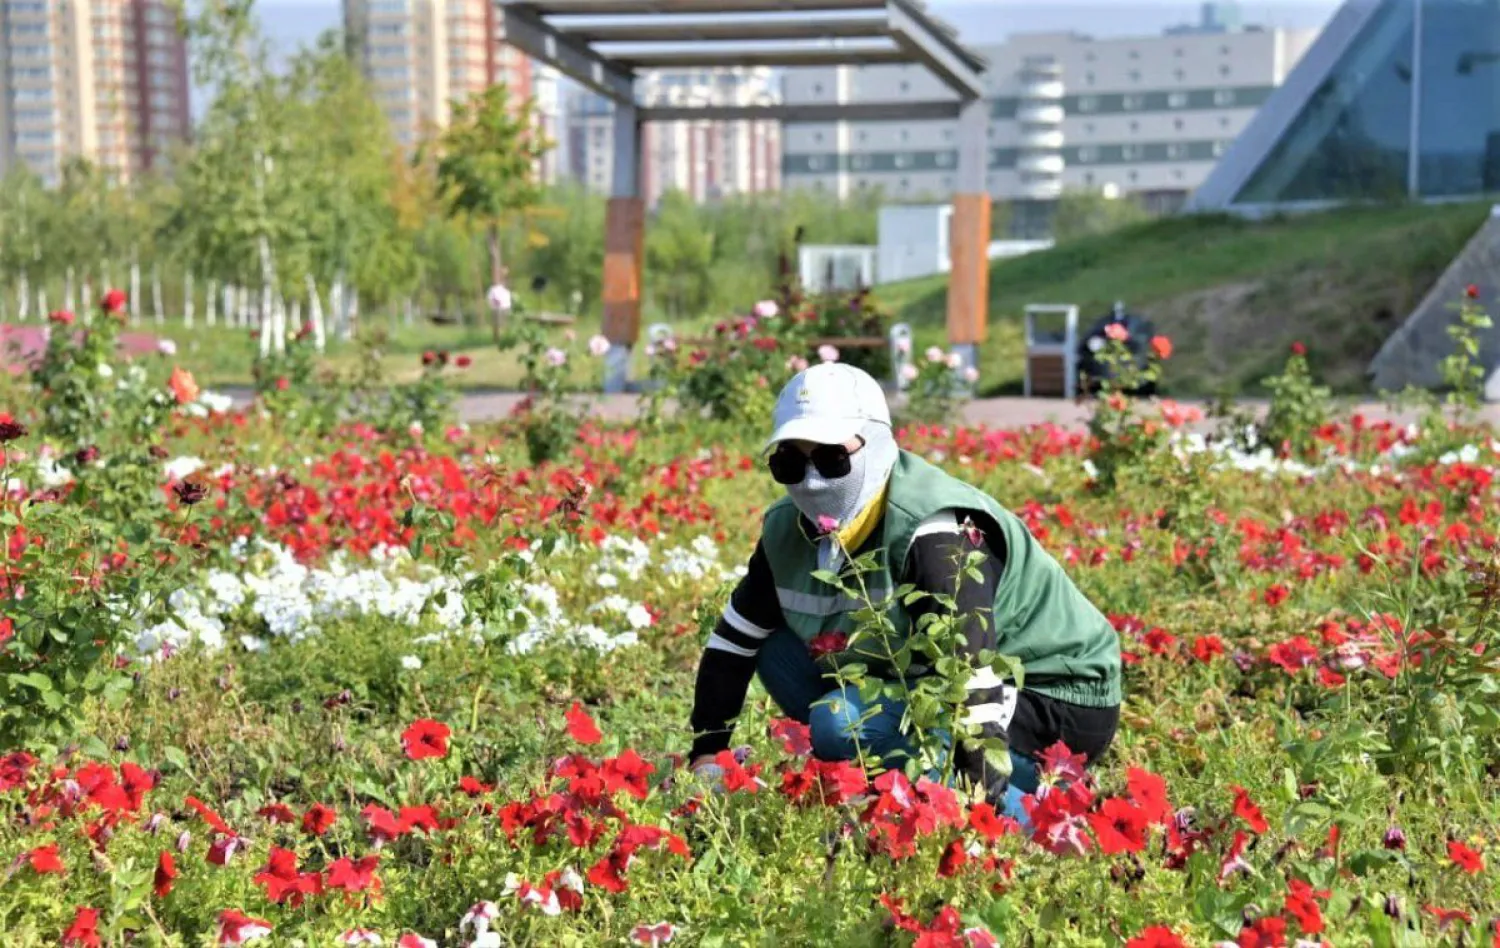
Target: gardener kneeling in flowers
[[851, 491]]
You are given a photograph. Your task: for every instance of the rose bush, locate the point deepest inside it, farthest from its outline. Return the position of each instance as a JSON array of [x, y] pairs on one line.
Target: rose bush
[[367, 687]]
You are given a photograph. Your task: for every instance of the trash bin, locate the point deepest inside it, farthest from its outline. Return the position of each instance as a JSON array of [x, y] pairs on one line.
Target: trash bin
[[1051, 350], [1137, 343]]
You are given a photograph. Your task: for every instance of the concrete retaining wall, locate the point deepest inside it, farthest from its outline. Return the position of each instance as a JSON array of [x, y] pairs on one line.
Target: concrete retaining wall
[[1412, 354]]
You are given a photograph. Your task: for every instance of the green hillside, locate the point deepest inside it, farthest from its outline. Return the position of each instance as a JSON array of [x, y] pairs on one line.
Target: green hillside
[[1232, 294]]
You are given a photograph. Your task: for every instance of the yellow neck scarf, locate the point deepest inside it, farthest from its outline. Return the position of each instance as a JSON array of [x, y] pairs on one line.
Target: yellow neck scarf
[[852, 535]]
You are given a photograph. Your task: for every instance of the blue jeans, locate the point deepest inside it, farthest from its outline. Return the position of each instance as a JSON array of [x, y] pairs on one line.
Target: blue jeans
[[838, 718]]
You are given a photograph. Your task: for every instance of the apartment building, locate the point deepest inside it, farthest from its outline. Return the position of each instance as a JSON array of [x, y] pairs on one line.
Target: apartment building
[[103, 80], [547, 96], [705, 159], [1148, 116], [423, 55]]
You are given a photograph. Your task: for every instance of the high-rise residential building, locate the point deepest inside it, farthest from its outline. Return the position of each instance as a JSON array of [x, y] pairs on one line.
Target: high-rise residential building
[[1397, 99], [1147, 116], [423, 55], [705, 159], [547, 99], [102, 80]]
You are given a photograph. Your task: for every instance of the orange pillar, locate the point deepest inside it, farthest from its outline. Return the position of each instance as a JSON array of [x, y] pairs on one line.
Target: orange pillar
[[624, 250], [969, 270], [969, 236]]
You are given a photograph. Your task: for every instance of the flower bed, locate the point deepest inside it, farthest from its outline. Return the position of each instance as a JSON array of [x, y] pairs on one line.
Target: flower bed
[[399, 687]]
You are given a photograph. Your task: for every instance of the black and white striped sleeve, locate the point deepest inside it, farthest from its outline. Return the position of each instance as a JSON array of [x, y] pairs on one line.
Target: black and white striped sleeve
[[728, 661]]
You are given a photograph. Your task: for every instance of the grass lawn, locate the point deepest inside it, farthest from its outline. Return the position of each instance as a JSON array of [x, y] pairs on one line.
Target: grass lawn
[[1232, 294]]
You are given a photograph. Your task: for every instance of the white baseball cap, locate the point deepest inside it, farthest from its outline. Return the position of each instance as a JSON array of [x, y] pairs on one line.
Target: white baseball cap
[[828, 403]]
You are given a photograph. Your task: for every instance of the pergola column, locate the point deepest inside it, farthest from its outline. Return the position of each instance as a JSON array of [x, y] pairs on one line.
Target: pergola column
[[624, 249], [969, 235]]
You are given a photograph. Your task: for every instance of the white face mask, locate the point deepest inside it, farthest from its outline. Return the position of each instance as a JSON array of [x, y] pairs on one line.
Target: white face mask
[[843, 498]]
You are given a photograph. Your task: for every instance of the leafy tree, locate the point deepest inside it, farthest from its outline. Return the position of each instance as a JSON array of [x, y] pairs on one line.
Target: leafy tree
[[1083, 213], [487, 164], [680, 252]]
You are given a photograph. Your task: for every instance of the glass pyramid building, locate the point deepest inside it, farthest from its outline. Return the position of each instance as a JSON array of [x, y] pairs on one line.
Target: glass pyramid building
[[1397, 98]]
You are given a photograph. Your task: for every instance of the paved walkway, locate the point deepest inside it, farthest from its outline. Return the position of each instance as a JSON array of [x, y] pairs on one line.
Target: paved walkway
[[989, 412]]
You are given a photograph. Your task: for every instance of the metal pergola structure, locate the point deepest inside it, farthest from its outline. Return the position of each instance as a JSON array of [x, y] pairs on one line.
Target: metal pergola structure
[[602, 44]]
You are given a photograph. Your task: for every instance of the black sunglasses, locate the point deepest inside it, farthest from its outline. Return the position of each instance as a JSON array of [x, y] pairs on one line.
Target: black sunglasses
[[789, 465]]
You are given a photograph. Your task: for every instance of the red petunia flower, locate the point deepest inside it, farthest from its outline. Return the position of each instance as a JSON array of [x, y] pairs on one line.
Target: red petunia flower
[[1156, 936], [166, 874], [472, 787], [1119, 827], [581, 727], [1465, 858], [83, 931], [1301, 904], [1246, 810], [45, 860], [274, 813], [318, 819], [354, 875], [425, 738], [1267, 932], [237, 928]]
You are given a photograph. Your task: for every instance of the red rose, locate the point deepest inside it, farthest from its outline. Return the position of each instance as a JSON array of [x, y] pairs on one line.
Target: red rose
[[114, 302], [1299, 349], [62, 317], [1471, 291], [463, 362]]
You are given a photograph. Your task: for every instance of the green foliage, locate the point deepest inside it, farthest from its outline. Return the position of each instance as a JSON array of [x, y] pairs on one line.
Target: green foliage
[[1299, 407], [937, 387], [1121, 440], [1091, 214]]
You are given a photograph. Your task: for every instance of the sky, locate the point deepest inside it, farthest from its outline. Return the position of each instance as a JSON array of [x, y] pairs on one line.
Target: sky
[[978, 21], [291, 23]]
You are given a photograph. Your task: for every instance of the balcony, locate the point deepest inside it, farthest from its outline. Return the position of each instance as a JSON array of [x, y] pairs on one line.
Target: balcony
[[1034, 113], [1040, 164], [1040, 189], [1042, 88], [1042, 138]]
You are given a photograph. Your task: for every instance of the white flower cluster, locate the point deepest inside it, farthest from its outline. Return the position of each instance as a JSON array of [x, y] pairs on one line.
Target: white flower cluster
[[293, 601], [1263, 460]]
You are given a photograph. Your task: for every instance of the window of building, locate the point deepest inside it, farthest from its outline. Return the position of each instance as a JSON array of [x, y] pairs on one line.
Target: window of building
[[1223, 50], [818, 137], [1135, 54], [905, 135], [1088, 78], [905, 86], [1177, 173], [1223, 97], [1177, 100], [817, 88], [1177, 124], [1176, 151], [1181, 75], [905, 184], [1134, 176], [1219, 149], [1088, 177], [1088, 103], [1088, 155], [1177, 52], [1135, 126], [1130, 152], [1135, 75], [1133, 103], [1224, 71], [1089, 56], [1088, 127]]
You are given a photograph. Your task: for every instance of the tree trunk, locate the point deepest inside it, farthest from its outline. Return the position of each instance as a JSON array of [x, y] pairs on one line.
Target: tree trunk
[[70, 302], [135, 289], [497, 275], [88, 298], [244, 310], [211, 302], [187, 299], [284, 322], [315, 313], [353, 311], [41, 301], [23, 298], [158, 313]]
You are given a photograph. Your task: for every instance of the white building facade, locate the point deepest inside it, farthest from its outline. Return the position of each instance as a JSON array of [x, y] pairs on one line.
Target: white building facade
[[1149, 116], [706, 160]]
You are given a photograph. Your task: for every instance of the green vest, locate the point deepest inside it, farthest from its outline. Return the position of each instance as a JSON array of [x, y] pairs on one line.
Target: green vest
[[1069, 649]]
